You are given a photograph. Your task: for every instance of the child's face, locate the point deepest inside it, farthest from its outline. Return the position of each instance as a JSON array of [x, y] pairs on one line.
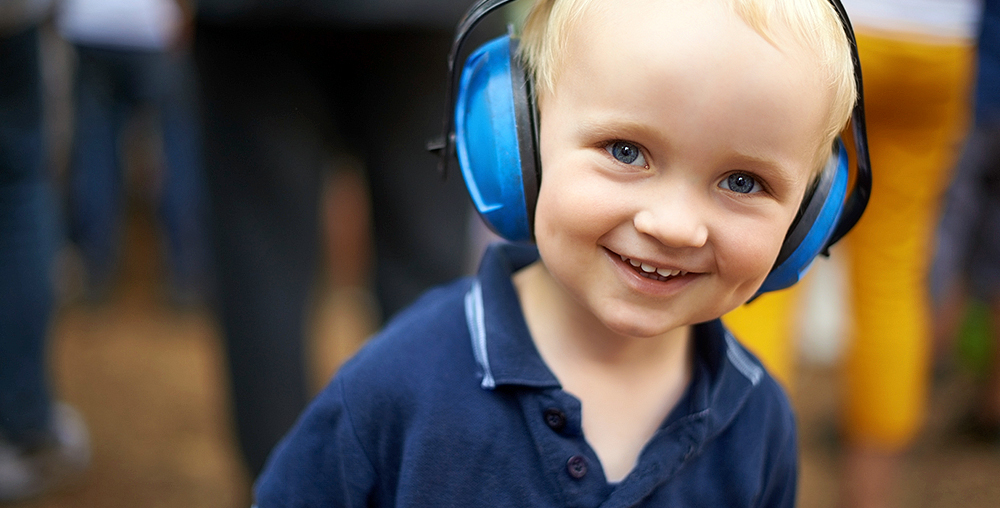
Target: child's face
[[677, 138]]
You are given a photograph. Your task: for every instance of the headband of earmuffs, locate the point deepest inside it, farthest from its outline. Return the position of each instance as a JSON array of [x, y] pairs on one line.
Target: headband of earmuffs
[[492, 128]]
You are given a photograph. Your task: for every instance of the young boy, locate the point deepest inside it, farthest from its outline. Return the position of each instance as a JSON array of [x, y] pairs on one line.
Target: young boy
[[677, 140]]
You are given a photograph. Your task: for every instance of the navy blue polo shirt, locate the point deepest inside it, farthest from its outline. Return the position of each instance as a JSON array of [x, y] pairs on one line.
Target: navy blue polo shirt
[[452, 406]]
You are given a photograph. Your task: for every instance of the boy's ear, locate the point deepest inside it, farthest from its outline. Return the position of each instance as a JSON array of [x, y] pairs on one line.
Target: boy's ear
[[814, 225], [496, 138]]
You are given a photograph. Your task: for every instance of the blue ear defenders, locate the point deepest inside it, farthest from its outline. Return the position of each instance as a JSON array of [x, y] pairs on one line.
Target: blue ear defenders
[[496, 139], [492, 129]]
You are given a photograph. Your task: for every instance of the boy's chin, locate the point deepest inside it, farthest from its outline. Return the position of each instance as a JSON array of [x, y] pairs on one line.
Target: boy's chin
[[639, 328]]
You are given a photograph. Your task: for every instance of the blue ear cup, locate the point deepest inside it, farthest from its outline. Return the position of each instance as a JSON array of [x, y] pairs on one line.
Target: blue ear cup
[[813, 226], [495, 139]]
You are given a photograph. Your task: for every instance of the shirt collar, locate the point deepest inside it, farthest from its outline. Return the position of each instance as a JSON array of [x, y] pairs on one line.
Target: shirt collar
[[500, 337], [724, 373]]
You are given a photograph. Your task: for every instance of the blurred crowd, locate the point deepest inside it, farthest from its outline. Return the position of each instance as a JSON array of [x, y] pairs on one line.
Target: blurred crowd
[[253, 105]]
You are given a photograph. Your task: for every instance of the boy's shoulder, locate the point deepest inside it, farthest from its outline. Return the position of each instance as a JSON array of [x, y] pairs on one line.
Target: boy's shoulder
[[741, 389], [429, 332], [765, 426], [433, 339]]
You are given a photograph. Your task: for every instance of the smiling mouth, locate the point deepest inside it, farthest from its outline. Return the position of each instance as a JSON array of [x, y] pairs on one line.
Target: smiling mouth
[[652, 272]]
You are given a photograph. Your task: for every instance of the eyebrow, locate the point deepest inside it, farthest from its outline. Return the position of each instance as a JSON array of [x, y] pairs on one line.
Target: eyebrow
[[614, 128]]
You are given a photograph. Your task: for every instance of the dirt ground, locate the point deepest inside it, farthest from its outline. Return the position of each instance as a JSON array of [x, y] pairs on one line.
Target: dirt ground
[[150, 381]]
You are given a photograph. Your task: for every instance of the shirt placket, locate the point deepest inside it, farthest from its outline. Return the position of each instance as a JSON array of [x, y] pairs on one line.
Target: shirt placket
[[555, 422]]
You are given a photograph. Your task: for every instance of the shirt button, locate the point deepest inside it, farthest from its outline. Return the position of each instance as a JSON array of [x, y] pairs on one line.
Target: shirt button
[[577, 466], [555, 419]]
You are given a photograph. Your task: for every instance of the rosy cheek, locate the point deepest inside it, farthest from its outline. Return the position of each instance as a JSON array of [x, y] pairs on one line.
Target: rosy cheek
[[752, 249], [544, 212], [561, 212]]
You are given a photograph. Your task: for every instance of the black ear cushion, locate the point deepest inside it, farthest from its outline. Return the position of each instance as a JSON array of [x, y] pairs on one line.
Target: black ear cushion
[[526, 121], [816, 196]]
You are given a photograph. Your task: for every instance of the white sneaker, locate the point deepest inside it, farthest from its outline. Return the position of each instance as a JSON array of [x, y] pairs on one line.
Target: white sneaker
[[25, 474]]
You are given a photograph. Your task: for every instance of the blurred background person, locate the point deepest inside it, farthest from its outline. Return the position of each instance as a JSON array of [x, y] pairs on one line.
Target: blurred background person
[[966, 266], [291, 91], [133, 58], [43, 443], [916, 58]]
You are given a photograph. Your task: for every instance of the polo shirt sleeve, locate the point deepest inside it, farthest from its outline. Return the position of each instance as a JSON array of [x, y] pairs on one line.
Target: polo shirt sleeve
[[320, 462]]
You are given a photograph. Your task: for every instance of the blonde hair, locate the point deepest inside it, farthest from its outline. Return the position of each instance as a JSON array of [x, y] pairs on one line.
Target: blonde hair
[[813, 23]]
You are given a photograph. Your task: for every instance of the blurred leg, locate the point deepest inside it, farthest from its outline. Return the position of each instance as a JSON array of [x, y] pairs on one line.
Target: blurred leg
[[982, 268], [420, 221], [95, 176], [263, 154], [27, 245], [963, 217], [182, 204], [917, 103]]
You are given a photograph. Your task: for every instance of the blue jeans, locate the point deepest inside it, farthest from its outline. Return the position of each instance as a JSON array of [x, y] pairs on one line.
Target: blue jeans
[[111, 86], [28, 235]]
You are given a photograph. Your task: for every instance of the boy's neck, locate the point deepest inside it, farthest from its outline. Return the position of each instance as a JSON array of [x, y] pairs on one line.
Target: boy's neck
[[626, 385], [560, 325]]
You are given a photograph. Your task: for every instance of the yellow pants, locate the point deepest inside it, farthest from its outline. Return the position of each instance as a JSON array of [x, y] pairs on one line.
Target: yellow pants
[[917, 104]]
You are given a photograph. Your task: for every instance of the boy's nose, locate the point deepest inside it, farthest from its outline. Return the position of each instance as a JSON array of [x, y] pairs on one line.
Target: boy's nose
[[675, 222]]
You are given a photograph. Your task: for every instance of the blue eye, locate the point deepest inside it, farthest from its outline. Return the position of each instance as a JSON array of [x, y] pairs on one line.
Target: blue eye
[[627, 153], [741, 183]]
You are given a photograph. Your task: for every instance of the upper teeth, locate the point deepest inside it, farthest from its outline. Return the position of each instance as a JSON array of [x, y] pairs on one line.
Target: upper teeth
[[663, 272]]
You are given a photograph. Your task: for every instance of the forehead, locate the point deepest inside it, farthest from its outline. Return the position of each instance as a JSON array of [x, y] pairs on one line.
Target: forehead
[[693, 67]]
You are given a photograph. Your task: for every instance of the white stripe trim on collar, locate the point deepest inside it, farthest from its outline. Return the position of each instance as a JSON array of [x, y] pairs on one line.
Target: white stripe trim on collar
[[475, 319], [739, 359]]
